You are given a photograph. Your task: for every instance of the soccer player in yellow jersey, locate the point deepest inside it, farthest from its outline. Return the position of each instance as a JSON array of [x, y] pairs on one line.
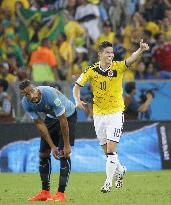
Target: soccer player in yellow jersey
[[108, 106]]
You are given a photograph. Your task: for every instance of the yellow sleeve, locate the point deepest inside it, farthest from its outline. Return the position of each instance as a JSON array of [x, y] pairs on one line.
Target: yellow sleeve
[[84, 77], [121, 66]]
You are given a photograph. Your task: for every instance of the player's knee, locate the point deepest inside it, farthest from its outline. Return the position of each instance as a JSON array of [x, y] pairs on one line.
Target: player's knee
[[45, 154], [111, 146]]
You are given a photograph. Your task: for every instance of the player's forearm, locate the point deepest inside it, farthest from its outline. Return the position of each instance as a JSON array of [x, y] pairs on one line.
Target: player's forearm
[[76, 93], [45, 134], [47, 138], [134, 57]]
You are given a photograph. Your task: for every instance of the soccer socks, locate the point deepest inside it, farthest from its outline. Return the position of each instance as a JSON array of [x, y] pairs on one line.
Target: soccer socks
[[45, 171], [65, 168], [111, 165]]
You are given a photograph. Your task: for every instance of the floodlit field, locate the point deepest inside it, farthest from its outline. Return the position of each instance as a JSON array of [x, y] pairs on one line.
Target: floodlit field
[[140, 188]]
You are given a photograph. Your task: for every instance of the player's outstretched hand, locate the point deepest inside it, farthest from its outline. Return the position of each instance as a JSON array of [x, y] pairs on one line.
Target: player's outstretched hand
[[55, 153], [143, 46], [80, 104], [67, 151]]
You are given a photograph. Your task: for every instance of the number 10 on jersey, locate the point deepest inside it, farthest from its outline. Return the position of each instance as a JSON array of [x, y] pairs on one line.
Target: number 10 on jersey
[[103, 85]]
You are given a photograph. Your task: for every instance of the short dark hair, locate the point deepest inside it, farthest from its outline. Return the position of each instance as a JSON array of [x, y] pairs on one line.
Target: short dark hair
[[104, 44], [129, 87], [24, 84]]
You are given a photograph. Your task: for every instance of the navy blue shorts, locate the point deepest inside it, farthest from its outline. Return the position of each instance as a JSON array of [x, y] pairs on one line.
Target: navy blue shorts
[[54, 129]]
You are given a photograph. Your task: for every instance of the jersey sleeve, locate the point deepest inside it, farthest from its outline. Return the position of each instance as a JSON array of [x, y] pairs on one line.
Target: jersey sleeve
[[33, 114], [121, 65], [56, 104], [84, 77]]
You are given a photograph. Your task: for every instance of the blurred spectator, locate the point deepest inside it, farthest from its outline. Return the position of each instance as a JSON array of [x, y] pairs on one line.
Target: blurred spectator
[[88, 16], [118, 47], [152, 72], [103, 12], [10, 46], [5, 74], [6, 111], [21, 74], [65, 56], [166, 28], [162, 55], [154, 10], [117, 15], [43, 63], [7, 4], [80, 62], [105, 35], [76, 34], [147, 55], [71, 7], [140, 71], [135, 107]]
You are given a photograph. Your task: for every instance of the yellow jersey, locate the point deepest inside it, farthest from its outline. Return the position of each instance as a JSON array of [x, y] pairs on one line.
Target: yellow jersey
[[106, 87]]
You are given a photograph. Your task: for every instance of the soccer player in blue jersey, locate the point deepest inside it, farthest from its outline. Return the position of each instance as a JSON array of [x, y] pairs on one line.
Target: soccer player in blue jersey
[[57, 133]]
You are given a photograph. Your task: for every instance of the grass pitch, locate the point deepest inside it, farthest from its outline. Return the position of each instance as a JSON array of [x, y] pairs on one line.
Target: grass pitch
[[140, 188]]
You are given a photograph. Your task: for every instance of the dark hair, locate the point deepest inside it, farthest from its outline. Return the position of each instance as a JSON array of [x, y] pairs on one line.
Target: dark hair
[[105, 44], [129, 87], [24, 84], [4, 84]]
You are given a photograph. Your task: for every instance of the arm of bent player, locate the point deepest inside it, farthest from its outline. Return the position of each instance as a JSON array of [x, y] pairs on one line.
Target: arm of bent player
[[76, 93], [65, 133], [143, 47], [45, 135]]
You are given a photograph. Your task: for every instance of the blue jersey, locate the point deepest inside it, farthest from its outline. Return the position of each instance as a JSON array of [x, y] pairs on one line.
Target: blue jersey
[[53, 103]]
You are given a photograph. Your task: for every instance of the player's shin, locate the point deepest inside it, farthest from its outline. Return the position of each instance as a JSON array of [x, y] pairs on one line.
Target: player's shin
[[65, 168], [111, 165], [45, 171]]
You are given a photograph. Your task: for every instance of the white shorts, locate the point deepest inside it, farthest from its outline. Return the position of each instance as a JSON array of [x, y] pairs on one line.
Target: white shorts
[[109, 127]]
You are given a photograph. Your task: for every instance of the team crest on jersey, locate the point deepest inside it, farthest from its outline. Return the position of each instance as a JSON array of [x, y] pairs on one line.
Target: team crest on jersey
[[57, 102], [110, 73]]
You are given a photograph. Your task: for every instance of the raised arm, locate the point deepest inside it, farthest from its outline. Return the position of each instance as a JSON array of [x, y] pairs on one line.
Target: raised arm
[[45, 135], [143, 47]]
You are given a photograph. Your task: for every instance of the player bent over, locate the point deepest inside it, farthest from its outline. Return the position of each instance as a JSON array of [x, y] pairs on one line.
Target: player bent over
[[57, 133], [106, 77]]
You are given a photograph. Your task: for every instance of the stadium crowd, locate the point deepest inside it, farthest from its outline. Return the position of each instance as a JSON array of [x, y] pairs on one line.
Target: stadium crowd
[[49, 40]]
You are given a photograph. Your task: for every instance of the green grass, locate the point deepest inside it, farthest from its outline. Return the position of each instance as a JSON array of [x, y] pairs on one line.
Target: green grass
[[140, 188]]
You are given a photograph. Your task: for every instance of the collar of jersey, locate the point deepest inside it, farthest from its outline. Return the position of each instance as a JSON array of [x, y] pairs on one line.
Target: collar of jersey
[[104, 70]]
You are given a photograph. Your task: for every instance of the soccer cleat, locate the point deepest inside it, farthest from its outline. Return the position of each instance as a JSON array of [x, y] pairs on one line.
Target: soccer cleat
[[106, 187], [119, 178], [59, 197], [41, 196]]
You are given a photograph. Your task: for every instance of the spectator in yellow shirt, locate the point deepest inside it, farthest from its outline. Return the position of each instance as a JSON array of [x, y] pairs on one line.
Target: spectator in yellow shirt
[[65, 57], [80, 61], [7, 4], [74, 31], [106, 35]]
